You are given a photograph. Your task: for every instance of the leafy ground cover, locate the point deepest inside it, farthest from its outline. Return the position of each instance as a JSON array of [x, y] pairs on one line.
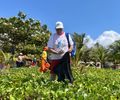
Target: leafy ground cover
[[29, 84]]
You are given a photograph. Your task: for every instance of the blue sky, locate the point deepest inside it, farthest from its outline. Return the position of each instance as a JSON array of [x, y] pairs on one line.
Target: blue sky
[[90, 16]]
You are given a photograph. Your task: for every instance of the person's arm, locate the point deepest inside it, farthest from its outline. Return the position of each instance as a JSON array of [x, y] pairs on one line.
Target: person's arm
[[55, 52], [71, 48], [71, 44], [52, 50]]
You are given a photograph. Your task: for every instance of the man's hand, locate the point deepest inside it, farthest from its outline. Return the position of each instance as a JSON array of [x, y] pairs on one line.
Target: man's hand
[[70, 50], [56, 52], [61, 52], [52, 50]]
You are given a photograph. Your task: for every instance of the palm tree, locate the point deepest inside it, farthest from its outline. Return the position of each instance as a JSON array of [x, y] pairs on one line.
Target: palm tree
[[79, 39], [86, 54], [114, 53], [99, 54]]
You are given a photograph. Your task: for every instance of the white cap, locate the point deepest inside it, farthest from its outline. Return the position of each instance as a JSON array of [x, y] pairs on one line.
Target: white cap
[[59, 25], [21, 53]]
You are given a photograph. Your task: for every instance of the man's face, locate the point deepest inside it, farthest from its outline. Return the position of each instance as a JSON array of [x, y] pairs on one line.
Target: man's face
[[59, 31]]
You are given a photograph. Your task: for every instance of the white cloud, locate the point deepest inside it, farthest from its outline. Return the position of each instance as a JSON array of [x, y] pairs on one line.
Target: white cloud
[[89, 41], [105, 39]]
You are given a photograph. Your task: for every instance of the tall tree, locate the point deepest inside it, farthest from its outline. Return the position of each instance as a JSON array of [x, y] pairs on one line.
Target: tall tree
[[79, 39], [19, 32], [99, 54], [114, 52]]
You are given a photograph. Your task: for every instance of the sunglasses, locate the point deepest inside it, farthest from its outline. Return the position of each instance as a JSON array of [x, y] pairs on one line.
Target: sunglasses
[[59, 29]]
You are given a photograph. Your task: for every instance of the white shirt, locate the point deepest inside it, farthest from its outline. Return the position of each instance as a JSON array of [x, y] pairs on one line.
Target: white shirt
[[59, 42], [20, 58]]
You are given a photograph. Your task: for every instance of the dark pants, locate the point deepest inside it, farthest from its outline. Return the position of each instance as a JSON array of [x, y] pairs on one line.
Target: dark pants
[[63, 69], [19, 64]]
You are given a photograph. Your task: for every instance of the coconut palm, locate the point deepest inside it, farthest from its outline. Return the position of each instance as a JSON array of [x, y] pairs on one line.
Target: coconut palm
[[99, 54], [79, 39], [114, 53]]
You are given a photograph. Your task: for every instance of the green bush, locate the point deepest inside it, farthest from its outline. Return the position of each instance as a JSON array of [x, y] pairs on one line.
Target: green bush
[[29, 84]]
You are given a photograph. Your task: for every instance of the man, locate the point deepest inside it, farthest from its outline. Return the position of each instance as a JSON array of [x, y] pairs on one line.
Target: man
[[19, 61], [58, 47]]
